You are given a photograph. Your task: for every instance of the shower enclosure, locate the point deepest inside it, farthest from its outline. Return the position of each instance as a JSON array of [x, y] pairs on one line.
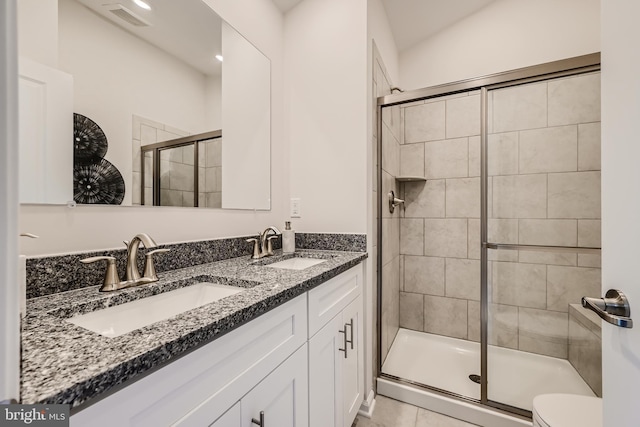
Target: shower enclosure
[[183, 172], [481, 269]]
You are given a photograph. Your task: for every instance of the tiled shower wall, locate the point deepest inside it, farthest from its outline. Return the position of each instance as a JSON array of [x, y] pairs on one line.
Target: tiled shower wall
[[544, 189], [176, 168], [145, 132], [210, 173], [390, 222], [177, 176]]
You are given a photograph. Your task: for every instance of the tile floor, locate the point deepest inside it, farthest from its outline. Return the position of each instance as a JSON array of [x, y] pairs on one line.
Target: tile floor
[[392, 413]]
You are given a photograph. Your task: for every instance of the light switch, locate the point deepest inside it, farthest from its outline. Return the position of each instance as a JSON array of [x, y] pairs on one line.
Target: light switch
[[296, 208]]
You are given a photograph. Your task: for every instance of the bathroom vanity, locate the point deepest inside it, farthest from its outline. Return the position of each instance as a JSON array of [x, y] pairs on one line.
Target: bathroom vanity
[[287, 349]]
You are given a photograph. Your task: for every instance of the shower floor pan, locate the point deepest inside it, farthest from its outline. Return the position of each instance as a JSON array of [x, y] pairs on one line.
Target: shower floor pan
[[515, 377]]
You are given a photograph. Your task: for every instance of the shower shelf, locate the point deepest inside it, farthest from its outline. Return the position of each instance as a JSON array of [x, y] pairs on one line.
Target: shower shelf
[[410, 178]]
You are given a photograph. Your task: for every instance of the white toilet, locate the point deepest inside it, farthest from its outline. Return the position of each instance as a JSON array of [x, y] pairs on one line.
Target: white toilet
[[567, 410]]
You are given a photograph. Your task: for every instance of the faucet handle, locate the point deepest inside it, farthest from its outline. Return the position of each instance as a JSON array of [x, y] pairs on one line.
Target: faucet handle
[[270, 245], [149, 267], [111, 278], [256, 248]]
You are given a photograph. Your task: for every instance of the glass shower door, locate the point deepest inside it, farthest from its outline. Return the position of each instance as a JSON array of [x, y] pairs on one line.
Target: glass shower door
[[543, 229], [430, 324]]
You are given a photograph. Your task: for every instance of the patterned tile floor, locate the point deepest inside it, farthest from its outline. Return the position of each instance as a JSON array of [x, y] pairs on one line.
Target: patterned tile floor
[[392, 413]]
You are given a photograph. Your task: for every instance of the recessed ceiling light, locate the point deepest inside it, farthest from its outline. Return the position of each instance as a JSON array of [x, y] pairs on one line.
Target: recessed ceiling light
[[142, 4], [219, 58]]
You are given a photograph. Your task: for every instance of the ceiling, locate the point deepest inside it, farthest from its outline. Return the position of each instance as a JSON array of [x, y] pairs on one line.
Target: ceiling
[[415, 20], [187, 29]]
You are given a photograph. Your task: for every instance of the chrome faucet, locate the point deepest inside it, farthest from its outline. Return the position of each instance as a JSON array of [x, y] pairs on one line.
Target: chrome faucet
[[132, 274], [262, 246], [112, 280]]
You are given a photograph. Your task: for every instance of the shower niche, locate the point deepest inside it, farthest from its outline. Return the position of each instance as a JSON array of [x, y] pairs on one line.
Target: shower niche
[[481, 272]]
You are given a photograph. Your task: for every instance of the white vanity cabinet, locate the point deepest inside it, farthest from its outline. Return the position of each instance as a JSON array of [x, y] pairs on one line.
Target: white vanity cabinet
[[336, 383], [277, 364], [280, 400], [198, 388]]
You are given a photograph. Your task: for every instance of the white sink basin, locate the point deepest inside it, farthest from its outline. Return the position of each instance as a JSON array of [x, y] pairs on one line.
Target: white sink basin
[[296, 263], [124, 318]]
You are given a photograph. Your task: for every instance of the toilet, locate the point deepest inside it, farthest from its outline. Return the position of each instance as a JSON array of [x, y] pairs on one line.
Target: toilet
[[567, 410]]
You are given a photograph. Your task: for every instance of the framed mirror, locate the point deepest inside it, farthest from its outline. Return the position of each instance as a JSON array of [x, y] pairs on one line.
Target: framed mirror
[[100, 81]]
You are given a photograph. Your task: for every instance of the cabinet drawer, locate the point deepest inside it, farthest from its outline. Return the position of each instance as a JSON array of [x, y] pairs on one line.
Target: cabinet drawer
[[332, 297], [209, 380]]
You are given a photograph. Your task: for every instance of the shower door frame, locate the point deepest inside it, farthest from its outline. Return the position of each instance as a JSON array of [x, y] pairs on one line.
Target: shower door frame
[[156, 148], [562, 68]]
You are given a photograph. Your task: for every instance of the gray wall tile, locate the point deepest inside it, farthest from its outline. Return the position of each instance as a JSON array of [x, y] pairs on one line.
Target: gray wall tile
[[574, 100], [447, 158], [519, 284], [463, 116], [411, 236], [424, 122], [463, 198], [589, 146], [445, 237], [462, 278], [519, 107], [549, 150], [574, 195], [411, 311], [424, 275], [425, 200], [548, 232], [567, 285], [445, 316], [543, 332]]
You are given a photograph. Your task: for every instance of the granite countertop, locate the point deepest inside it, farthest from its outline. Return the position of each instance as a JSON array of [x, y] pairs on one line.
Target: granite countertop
[[64, 363]]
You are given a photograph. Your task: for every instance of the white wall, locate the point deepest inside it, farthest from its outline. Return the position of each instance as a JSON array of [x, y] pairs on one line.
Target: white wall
[[246, 124], [620, 205], [326, 100], [503, 36], [38, 31], [379, 30], [98, 227]]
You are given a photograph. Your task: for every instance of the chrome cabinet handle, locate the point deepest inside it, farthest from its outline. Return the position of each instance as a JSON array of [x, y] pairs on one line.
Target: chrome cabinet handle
[[350, 341], [259, 422], [613, 308], [344, 332]]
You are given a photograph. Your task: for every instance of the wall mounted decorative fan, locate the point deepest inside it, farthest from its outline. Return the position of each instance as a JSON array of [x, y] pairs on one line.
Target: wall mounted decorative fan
[[97, 183], [89, 141], [95, 179]]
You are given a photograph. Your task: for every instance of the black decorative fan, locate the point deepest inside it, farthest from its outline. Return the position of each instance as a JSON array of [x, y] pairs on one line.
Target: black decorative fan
[[89, 141], [97, 183]]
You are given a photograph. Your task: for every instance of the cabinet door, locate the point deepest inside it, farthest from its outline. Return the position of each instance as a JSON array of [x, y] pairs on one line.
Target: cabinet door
[[231, 418], [282, 396], [353, 372], [325, 375]]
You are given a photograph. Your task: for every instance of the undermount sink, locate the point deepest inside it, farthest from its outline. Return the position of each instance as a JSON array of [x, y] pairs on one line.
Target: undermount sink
[[296, 263], [121, 319]]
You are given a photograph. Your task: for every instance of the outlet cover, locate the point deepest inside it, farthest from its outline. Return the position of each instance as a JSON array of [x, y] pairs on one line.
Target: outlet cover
[[296, 208]]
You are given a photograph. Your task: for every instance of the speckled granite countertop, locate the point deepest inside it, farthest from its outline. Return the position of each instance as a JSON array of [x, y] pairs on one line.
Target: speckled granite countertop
[[64, 363]]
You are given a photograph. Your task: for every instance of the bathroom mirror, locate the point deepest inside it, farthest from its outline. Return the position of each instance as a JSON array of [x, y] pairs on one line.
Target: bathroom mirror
[[124, 77]]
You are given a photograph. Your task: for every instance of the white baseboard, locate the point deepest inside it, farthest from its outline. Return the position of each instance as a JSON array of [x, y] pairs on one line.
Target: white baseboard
[[368, 405]]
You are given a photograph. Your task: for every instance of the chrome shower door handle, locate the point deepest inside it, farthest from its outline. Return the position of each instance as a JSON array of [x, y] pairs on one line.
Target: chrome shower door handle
[[613, 308]]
